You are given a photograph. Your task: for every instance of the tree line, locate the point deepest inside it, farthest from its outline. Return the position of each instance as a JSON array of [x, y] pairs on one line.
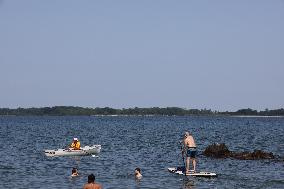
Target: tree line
[[168, 111]]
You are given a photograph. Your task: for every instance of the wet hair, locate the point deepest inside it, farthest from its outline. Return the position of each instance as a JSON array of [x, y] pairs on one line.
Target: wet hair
[[91, 178], [138, 169], [187, 133], [74, 170]]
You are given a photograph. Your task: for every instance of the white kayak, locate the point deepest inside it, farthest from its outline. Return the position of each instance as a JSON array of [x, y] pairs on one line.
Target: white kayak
[[180, 171], [84, 151]]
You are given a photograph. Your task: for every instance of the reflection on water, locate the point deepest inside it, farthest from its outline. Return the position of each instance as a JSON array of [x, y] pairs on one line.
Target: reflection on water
[[188, 183], [76, 161]]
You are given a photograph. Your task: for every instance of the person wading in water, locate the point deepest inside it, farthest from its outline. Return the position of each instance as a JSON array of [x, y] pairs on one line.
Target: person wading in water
[[91, 183]]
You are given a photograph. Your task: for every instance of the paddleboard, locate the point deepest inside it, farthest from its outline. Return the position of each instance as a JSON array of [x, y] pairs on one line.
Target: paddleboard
[[181, 171]]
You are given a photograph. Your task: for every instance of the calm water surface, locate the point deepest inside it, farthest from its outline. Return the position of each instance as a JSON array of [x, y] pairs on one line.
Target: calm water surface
[[150, 143]]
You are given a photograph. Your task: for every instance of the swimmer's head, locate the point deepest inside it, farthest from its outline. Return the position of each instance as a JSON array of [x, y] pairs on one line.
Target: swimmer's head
[[138, 170], [186, 134], [91, 178]]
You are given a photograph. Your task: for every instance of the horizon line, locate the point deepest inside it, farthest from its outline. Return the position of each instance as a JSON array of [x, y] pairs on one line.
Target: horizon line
[[87, 107]]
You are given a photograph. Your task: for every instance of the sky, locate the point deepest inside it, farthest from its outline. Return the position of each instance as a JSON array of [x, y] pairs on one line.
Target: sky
[[220, 55]]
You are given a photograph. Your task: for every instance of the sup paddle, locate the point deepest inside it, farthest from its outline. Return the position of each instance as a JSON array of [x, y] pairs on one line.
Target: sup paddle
[[182, 154]]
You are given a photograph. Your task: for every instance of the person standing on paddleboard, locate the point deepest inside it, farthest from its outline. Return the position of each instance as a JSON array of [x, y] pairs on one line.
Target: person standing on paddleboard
[[190, 151]]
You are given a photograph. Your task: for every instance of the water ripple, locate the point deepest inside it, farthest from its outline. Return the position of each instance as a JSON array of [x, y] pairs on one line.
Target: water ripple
[[129, 142]]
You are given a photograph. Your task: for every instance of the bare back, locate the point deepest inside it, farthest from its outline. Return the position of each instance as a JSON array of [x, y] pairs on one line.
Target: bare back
[[189, 142], [92, 186]]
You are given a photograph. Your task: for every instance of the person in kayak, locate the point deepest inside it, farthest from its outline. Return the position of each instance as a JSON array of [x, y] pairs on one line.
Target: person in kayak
[[190, 150], [91, 183], [137, 173], [75, 144]]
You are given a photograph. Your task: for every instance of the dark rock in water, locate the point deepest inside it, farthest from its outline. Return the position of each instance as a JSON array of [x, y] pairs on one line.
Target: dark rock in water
[[256, 155], [222, 151], [217, 151]]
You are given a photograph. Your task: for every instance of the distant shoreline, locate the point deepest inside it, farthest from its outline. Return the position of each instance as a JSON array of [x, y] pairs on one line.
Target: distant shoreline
[[257, 116], [154, 111], [142, 116]]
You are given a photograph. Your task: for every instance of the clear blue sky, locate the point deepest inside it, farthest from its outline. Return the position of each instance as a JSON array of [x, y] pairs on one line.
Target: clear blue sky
[[223, 55]]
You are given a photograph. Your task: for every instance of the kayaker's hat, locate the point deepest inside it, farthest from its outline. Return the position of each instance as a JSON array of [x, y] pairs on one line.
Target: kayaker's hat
[[76, 139]]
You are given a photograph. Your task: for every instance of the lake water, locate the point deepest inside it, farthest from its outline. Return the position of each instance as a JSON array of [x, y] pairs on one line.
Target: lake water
[[150, 143]]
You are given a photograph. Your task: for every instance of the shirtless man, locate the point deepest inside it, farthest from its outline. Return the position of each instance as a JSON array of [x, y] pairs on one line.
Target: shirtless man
[[75, 172], [137, 173], [190, 150], [91, 183]]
